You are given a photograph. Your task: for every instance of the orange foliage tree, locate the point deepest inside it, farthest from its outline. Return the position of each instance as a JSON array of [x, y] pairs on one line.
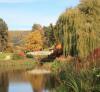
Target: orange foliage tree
[[34, 41]]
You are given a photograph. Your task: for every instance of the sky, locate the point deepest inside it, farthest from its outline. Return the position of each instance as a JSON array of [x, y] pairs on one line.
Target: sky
[[22, 14]]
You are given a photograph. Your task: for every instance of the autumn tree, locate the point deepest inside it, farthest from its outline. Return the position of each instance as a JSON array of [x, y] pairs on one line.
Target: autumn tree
[[35, 40], [3, 35]]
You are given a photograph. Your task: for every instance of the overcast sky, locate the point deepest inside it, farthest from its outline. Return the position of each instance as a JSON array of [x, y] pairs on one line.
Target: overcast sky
[[22, 14]]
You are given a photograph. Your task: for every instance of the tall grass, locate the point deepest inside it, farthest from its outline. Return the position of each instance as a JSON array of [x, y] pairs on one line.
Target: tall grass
[[84, 80]]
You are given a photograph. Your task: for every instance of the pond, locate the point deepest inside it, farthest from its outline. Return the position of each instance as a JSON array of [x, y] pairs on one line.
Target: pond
[[22, 81]]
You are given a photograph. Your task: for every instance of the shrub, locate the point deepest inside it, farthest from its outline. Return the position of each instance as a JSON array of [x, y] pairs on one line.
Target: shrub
[[29, 55], [56, 65], [17, 57], [21, 54], [26, 51]]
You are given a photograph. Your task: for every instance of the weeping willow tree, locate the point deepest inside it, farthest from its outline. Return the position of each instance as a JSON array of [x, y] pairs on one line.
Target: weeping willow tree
[[91, 12], [78, 29], [68, 31]]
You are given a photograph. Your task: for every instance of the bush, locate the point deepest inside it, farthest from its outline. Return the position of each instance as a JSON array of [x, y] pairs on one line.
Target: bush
[[29, 55], [17, 57], [56, 65], [26, 51]]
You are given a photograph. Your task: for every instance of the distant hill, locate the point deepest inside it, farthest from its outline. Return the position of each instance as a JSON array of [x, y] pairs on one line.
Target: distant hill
[[16, 37]]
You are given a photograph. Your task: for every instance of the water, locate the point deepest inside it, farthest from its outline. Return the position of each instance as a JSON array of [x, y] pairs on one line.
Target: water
[[22, 81]]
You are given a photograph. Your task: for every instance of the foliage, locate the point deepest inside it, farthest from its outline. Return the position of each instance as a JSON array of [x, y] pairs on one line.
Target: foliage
[[78, 29], [36, 27], [9, 48], [49, 35], [16, 37], [17, 56], [29, 56], [91, 11], [56, 66], [82, 81], [34, 41], [3, 35]]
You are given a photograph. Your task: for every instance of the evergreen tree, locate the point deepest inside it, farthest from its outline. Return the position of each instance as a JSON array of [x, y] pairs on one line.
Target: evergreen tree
[[49, 35], [36, 27]]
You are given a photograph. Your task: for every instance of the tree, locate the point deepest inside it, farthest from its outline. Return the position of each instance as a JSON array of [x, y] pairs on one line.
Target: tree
[[49, 35], [3, 35], [78, 29], [66, 32], [36, 27], [91, 12], [34, 41]]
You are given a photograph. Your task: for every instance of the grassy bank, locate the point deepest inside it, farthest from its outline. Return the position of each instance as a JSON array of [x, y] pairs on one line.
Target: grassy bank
[[8, 63], [72, 80], [17, 65], [18, 61], [69, 76]]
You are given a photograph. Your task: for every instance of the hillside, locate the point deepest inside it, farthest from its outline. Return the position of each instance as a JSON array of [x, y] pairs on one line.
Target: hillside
[[17, 36]]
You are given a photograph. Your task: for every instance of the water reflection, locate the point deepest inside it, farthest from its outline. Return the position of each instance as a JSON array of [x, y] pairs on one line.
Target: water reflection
[[24, 82], [4, 82], [37, 82]]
